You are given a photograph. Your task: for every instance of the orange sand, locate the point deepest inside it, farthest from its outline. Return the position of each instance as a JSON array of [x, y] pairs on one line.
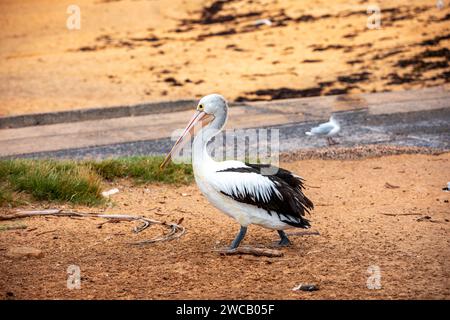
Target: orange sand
[[402, 227], [134, 51]]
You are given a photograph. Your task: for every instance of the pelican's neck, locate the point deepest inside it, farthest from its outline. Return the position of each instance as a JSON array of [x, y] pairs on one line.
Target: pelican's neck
[[200, 157]]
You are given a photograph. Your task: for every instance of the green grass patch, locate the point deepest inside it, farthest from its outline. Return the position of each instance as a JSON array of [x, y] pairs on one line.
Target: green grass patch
[[49, 180], [6, 196], [80, 182], [142, 170]]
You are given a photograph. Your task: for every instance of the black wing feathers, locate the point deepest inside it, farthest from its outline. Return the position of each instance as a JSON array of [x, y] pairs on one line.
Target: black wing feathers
[[291, 209]]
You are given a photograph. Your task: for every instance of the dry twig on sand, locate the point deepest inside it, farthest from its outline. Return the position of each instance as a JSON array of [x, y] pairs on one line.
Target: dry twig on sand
[[400, 214], [390, 186], [253, 251], [264, 251], [303, 233], [176, 230]]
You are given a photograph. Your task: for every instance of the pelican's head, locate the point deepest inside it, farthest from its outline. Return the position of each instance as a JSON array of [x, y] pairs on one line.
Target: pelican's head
[[213, 104], [210, 107]]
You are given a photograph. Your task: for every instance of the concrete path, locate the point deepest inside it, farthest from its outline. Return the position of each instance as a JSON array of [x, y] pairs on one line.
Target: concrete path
[[416, 118]]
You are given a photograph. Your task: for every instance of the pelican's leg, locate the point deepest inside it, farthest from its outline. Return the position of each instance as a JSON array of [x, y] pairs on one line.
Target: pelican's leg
[[284, 242], [238, 238]]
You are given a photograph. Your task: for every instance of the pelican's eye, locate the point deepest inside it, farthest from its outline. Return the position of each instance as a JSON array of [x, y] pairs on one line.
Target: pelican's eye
[[200, 107]]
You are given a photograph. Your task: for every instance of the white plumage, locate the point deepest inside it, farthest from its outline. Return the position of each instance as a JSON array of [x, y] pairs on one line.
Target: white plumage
[[259, 187]]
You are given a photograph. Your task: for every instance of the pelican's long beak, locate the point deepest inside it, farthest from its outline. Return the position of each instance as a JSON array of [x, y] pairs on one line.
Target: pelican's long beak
[[201, 118]]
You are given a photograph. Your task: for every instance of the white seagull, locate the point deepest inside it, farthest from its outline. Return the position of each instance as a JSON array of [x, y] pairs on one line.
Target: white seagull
[[327, 129], [243, 191]]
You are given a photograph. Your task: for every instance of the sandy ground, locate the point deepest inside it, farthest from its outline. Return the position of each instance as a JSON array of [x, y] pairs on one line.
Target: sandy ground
[[132, 51], [402, 227]]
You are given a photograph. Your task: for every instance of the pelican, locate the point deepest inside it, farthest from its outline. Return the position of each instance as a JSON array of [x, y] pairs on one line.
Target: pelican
[[327, 129], [242, 191]]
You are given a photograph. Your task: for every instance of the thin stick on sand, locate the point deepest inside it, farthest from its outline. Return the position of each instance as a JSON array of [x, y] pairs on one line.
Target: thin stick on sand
[[303, 233], [253, 251], [176, 230], [400, 214], [263, 251]]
